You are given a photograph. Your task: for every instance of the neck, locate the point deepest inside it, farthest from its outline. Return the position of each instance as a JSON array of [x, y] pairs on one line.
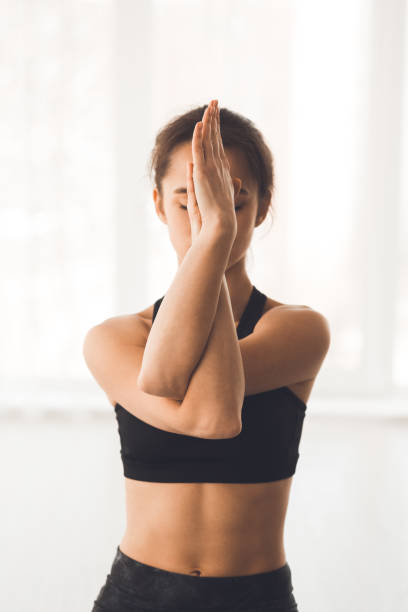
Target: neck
[[239, 287]]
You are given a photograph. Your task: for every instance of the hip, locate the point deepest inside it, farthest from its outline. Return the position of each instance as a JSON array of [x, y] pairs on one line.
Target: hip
[[133, 586]]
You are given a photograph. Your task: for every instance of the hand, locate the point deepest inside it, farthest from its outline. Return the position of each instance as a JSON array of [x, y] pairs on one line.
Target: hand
[[192, 206], [209, 177]]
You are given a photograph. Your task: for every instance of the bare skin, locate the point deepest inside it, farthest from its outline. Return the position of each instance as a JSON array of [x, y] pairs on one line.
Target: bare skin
[[209, 529]]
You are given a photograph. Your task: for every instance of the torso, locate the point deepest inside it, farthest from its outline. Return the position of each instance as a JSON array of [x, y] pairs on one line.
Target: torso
[[208, 529]]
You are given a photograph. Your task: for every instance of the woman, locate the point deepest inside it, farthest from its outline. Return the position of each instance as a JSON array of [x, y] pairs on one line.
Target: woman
[[210, 400]]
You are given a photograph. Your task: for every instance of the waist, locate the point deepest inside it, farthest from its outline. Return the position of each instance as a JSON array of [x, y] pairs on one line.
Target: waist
[[148, 585], [212, 528], [216, 561]]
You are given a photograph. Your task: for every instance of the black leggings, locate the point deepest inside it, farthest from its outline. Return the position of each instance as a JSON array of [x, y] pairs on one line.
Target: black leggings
[[133, 586]]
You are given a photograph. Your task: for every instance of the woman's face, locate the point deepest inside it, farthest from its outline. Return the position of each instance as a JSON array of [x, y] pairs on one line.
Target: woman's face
[[172, 209]]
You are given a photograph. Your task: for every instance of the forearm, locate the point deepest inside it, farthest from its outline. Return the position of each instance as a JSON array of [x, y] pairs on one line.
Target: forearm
[[183, 323], [219, 375]]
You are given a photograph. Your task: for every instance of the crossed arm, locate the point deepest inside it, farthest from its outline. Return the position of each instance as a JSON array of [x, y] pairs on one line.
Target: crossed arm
[[192, 349]]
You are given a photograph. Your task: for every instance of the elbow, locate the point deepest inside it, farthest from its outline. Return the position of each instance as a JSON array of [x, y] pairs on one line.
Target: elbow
[[218, 429], [221, 423], [219, 433], [142, 385], [154, 387]]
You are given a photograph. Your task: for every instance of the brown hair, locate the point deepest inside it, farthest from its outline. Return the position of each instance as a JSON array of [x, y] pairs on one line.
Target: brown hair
[[236, 131]]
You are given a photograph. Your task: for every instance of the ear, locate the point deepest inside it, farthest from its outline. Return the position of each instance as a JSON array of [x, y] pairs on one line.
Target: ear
[[158, 204]]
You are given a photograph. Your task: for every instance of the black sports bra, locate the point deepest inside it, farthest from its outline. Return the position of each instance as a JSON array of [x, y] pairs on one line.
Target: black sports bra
[[266, 449]]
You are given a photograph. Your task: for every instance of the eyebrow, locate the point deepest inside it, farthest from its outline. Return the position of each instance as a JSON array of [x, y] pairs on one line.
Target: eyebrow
[[184, 190]]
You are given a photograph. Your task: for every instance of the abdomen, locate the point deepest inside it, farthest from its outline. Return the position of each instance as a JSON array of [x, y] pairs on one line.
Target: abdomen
[[218, 529]]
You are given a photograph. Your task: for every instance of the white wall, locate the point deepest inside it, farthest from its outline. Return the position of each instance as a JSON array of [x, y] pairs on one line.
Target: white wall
[[87, 92]]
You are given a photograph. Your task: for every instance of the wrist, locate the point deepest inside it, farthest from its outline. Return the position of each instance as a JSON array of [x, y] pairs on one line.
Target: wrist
[[221, 233], [220, 225]]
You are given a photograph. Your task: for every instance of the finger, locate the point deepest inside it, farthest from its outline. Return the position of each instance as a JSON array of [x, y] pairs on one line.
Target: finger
[[192, 205], [216, 133], [221, 144], [207, 146], [191, 197], [212, 132], [197, 145]]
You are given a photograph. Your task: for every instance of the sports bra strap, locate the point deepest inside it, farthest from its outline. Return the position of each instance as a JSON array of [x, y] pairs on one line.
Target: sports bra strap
[[252, 313]]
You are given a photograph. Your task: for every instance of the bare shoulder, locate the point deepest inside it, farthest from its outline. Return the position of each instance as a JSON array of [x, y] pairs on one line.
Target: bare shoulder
[[298, 316], [271, 304], [134, 326]]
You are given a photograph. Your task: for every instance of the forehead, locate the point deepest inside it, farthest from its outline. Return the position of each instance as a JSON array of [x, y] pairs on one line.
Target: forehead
[[182, 154]]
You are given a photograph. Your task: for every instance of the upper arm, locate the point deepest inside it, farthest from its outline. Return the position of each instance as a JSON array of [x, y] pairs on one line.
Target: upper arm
[[288, 345], [113, 351]]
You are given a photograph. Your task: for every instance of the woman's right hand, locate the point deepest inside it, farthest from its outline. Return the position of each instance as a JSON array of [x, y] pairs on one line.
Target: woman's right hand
[[215, 189]]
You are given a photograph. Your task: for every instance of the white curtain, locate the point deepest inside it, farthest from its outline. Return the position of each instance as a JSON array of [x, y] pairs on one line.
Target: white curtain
[[85, 87]]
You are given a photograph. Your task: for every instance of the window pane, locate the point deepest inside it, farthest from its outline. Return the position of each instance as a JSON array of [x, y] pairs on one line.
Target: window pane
[[57, 183]]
